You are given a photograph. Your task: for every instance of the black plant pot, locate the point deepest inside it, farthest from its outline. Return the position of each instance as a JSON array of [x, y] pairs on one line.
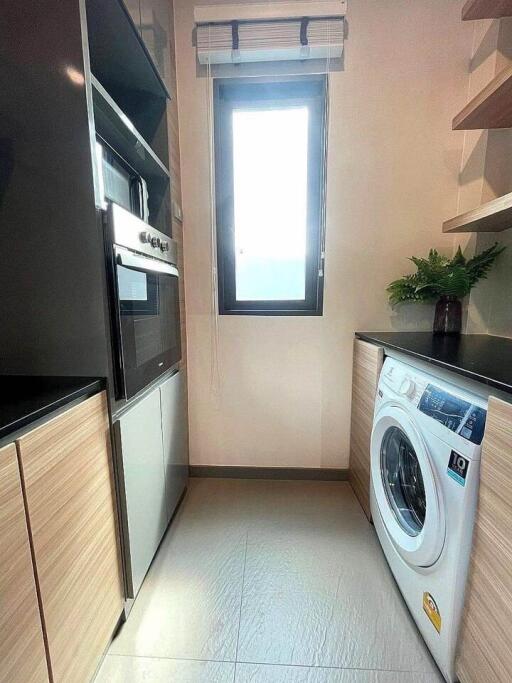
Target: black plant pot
[[448, 316]]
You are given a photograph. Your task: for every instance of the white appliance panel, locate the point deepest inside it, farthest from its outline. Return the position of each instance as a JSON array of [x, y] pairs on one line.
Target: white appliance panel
[[175, 439], [143, 478]]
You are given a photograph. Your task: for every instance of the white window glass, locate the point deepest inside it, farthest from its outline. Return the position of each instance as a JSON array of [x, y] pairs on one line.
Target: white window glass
[[270, 170]]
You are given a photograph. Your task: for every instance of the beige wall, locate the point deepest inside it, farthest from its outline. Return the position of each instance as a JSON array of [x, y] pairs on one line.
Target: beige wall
[[283, 393]]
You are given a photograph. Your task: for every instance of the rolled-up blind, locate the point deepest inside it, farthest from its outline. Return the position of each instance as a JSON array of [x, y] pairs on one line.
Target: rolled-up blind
[[265, 41]]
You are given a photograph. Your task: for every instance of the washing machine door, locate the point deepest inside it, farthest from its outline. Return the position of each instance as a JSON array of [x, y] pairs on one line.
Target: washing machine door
[[405, 487]]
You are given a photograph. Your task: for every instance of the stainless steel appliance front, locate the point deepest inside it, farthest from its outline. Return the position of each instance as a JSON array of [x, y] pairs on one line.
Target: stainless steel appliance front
[[144, 301]]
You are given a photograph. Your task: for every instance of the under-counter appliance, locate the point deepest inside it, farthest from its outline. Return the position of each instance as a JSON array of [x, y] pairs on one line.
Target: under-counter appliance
[[120, 183], [152, 470], [144, 301], [425, 471]]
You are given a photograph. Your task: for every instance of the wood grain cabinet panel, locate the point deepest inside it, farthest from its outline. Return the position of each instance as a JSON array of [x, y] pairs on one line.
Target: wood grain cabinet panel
[[485, 651], [368, 359], [486, 9], [67, 470], [22, 653]]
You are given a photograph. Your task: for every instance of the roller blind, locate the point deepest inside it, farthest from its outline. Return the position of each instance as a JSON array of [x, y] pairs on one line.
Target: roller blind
[[266, 40]]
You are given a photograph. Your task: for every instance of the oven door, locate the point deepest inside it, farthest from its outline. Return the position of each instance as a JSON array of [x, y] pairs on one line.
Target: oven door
[[148, 317]]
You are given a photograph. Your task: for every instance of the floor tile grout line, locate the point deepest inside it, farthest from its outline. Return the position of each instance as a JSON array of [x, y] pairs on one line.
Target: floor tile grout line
[[178, 659], [341, 668], [296, 666], [241, 599]]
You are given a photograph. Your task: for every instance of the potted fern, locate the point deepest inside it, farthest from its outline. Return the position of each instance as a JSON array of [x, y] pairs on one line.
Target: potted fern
[[447, 280]]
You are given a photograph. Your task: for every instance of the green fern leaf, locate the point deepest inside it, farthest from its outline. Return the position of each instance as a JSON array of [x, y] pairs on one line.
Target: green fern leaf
[[438, 275]]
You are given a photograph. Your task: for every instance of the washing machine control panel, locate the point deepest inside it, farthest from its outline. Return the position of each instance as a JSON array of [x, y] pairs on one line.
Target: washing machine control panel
[[457, 415]]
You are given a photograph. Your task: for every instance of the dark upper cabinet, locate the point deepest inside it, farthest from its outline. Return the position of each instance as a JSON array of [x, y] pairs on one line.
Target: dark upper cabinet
[[154, 28], [128, 79], [151, 19], [133, 7]]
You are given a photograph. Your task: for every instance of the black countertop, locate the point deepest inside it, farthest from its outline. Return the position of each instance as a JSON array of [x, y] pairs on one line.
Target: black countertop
[[26, 399], [480, 357]]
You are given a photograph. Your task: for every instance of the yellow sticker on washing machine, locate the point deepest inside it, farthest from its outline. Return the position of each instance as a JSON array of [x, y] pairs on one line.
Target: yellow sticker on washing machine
[[432, 611]]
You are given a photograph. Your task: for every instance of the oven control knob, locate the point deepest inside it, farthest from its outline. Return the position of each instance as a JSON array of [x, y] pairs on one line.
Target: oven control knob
[[407, 387], [145, 237], [164, 246], [155, 242]]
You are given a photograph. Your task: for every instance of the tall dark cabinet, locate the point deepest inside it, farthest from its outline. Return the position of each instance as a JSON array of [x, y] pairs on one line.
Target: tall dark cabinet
[[70, 71], [152, 18], [52, 308]]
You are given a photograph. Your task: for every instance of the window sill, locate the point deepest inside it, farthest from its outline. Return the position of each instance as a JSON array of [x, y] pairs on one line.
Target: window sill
[[272, 312]]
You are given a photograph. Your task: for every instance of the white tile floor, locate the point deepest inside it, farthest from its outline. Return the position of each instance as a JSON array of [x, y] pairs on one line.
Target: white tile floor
[[269, 582]]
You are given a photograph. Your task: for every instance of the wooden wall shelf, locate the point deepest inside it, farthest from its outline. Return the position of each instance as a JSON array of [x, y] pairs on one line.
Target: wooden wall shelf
[[494, 216], [486, 9], [491, 108]]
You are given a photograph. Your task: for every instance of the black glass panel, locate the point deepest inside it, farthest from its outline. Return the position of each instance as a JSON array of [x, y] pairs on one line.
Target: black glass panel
[[403, 481], [451, 411], [447, 409], [149, 325], [474, 426]]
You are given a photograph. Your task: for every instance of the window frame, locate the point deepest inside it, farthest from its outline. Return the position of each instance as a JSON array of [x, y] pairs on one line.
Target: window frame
[[253, 93]]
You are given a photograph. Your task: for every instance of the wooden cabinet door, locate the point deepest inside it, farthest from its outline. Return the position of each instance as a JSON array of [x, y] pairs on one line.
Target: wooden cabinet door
[[485, 652], [67, 471], [367, 364], [22, 653]]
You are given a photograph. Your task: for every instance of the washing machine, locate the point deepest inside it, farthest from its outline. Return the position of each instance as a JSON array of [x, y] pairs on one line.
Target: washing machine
[[425, 462]]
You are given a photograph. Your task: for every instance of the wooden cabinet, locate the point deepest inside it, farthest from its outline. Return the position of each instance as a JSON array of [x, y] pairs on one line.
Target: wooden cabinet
[[485, 653], [66, 467], [22, 653], [367, 364], [486, 9]]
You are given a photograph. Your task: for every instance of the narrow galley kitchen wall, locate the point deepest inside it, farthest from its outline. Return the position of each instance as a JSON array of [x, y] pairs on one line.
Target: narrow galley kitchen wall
[[392, 176]]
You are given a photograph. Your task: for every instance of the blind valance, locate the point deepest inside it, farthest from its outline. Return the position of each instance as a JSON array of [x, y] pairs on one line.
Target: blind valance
[[270, 39]]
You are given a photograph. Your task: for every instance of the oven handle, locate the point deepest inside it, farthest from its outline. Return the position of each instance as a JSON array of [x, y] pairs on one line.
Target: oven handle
[[125, 257]]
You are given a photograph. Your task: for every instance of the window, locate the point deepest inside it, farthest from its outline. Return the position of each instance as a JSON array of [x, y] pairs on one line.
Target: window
[[269, 157]]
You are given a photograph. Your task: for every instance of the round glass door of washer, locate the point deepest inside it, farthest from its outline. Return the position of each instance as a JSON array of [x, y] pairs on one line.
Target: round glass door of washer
[[403, 481], [405, 488]]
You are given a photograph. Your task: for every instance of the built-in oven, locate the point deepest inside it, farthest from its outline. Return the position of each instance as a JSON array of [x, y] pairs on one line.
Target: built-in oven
[[144, 301]]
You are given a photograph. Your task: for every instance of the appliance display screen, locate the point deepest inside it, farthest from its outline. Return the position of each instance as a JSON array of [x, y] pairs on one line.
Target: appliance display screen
[[454, 413]]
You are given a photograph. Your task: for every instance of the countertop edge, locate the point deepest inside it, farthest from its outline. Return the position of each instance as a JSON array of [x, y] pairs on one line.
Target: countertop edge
[[489, 381], [90, 388]]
